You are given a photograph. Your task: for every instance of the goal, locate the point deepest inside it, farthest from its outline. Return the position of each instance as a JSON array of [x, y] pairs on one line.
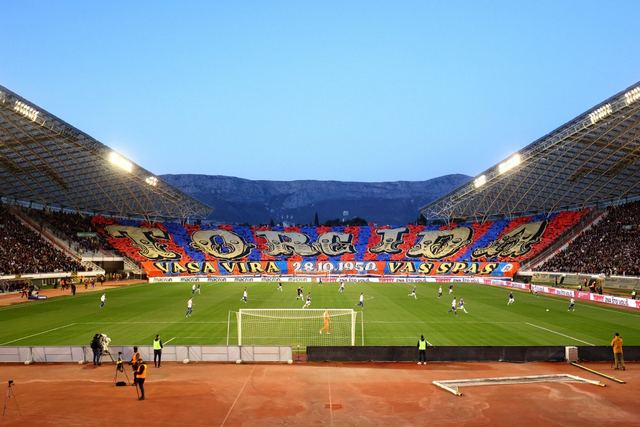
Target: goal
[[295, 327]]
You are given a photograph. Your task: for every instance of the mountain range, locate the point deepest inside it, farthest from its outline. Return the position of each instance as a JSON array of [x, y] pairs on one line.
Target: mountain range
[[244, 201]]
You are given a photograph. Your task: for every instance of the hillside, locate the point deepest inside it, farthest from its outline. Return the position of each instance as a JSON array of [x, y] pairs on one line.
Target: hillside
[[238, 200]]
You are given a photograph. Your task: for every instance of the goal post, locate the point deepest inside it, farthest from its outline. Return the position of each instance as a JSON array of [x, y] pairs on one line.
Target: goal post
[[297, 327]]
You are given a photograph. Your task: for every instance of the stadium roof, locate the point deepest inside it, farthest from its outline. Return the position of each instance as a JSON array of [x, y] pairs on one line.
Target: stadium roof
[[591, 160], [45, 161]]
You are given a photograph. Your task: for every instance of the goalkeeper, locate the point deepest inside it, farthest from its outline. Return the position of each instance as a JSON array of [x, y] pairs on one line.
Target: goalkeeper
[[325, 322]]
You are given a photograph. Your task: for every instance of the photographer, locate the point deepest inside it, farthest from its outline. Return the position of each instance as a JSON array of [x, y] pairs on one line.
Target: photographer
[[96, 346]]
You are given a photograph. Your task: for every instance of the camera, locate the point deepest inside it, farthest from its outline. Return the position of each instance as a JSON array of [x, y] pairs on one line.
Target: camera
[[104, 341], [120, 362]]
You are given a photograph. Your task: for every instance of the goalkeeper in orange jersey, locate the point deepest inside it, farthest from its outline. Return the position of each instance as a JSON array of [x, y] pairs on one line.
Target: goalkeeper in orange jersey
[[325, 323]]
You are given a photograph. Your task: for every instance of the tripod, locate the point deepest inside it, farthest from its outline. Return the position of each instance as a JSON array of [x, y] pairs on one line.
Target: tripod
[[120, 370], [106, 353], [10, 395]]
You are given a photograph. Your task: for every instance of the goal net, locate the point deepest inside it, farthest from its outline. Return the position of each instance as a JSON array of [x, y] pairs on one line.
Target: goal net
[[296, 327]]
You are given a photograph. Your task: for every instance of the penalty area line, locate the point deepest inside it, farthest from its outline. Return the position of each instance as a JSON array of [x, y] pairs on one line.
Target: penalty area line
[[36, 334], [169, 340], [560, 333]]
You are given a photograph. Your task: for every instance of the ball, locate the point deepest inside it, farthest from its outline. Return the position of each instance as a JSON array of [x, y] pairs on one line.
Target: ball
[[289, 361], [547, 309], [239, 361], [185, 361]]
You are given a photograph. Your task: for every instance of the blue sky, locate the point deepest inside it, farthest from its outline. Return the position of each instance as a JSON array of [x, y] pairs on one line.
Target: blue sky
[[358, 91]]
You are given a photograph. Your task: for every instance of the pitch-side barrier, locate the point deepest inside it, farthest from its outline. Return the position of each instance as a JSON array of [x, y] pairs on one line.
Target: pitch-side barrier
[[170, 353], [283, 354], [466, 354]]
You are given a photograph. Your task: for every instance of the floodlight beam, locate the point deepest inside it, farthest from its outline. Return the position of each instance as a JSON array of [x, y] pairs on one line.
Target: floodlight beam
[[120, 162]]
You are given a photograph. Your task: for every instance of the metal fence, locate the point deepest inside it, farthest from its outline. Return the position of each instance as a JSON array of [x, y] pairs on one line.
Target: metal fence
[[177, 353]]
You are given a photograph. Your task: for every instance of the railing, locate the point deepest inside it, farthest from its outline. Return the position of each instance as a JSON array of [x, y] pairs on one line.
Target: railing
[[173, 353]]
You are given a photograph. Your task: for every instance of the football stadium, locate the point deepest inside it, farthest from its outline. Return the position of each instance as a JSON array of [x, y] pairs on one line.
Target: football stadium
[[497, 272], [510, 300]]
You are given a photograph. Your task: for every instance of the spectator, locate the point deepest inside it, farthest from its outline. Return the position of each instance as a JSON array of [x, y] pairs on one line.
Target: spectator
[[14, 286], [66, 226], [23, 251], [609, 247]]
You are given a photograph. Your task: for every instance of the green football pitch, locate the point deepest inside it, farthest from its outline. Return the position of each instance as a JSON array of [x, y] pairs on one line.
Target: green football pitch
[[135, 314]]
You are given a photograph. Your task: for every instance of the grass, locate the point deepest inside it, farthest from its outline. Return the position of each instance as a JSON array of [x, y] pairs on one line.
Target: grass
[[134, 314]]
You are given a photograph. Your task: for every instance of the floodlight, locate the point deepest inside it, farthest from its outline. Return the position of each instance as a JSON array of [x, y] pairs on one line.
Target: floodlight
[[28, 112], [480, 181], [152, 181], [119, 161], [600, 113], [509, 164], [632, 96]]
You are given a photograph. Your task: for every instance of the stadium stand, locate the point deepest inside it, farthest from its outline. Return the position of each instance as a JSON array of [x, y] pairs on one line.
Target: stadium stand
[[13, 285], [47, 162], [66, 226], [591, 161], [492, 241], [22, 250], [610, 247]]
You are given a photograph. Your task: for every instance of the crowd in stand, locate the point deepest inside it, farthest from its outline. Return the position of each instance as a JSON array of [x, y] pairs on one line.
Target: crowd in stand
[[66, 226], [610, 247], [13, 285], [22, 250]]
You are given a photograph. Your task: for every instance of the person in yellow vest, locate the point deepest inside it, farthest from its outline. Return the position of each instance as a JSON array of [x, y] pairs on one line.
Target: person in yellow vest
[[157, 351], [139, 376], [616, 345], [422, 350]]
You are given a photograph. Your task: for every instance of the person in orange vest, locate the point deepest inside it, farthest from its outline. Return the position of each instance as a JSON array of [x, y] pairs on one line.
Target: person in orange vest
[[139, 376], [618, 359], [135, 359]]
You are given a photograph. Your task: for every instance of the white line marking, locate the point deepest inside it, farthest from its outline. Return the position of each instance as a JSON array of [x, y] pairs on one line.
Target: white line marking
[[559, 333], [238, 396], [330, 398], [434, 322], [39, 333], [145, 323], [59, 297], [169, 340]]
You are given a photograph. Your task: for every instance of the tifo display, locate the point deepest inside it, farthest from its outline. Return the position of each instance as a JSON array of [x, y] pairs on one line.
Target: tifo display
[[492, 248]]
